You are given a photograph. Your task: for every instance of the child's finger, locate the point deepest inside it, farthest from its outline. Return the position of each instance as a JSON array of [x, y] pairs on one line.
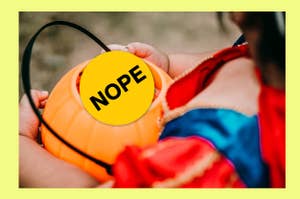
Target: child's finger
[[43, 103], [116, 47], [37, 97], [140, 49], [42, 95]]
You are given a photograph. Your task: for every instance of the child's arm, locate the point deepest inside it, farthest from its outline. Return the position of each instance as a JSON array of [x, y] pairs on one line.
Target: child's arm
[[37, 167], [180, 62], [173, 64]]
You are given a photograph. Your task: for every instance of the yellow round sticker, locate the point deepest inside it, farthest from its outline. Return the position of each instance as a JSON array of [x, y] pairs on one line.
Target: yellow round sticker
[[116, 87]]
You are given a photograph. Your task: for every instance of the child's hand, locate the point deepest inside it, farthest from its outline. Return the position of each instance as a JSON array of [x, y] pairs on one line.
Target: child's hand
[[151, 54], [146, 52], [28, 122]]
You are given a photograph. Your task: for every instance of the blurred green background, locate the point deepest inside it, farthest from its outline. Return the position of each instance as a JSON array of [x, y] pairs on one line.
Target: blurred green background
[[60, 48]]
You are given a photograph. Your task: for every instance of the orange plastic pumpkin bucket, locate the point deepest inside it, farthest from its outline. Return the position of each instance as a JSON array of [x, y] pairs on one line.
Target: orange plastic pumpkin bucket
[[69, 132], [65, 113]]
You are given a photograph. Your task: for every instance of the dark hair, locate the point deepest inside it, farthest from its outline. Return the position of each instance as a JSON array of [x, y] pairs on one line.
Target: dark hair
[[272, 41]]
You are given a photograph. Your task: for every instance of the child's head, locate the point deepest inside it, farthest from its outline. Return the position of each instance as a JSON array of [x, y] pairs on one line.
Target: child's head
[[265, 33]]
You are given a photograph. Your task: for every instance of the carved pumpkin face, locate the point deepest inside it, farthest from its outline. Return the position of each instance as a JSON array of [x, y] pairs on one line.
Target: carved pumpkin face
[[65, 113]]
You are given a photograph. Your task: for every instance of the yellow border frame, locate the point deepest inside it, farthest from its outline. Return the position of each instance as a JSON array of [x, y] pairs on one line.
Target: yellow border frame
[[9, 94]]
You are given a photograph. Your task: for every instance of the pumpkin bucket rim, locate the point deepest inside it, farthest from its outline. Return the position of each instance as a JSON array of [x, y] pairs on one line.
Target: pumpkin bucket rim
[[157, 74]]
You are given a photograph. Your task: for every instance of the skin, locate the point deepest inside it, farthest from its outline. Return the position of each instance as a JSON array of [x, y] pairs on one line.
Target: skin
[[34, 161]]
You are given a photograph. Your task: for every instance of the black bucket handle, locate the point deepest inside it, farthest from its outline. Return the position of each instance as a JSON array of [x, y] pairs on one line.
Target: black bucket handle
[[25, 70]]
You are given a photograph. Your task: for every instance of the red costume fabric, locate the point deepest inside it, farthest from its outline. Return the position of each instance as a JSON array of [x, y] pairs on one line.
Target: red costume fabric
[[194, 161], [189, 162], [272, 123]]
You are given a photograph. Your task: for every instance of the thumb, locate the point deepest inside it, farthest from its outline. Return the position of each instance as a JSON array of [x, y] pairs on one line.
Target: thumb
[[116, 47], [37, 97]]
